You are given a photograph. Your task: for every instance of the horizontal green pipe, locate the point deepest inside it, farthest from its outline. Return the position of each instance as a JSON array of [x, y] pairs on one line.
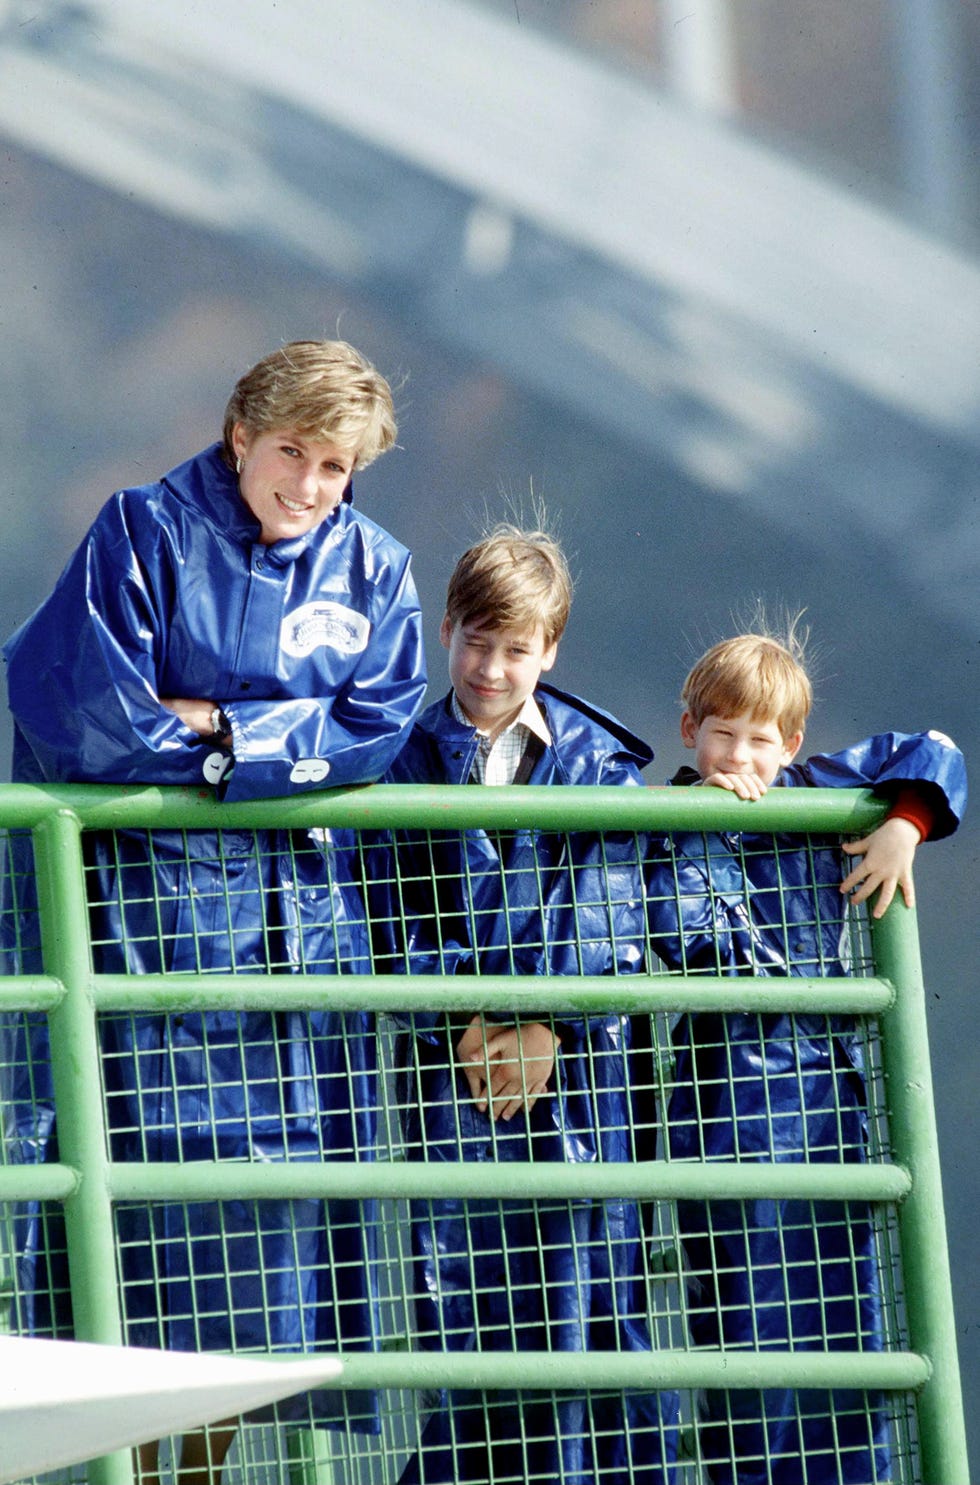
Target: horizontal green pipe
[[207, 1180], [447, 807], [578, 995], [30, 992], [49, 1182], [649, 1371]]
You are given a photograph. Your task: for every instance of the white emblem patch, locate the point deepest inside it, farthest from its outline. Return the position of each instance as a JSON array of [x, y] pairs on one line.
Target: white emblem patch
[[309, 771], [324, 623]]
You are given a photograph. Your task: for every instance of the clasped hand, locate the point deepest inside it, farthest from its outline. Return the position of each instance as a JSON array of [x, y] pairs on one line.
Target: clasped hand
[[506, 1067]]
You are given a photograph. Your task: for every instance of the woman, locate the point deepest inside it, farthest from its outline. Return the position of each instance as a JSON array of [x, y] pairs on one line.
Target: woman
[[238, 623]]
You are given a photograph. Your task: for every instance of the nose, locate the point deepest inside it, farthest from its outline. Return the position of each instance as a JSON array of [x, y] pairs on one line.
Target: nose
[[490, 666], [309, 484], [738, 752]]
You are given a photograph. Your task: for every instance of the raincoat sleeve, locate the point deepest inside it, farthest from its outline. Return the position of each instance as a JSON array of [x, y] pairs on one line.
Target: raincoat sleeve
[[81, 673], [928, 761], [350, 737]]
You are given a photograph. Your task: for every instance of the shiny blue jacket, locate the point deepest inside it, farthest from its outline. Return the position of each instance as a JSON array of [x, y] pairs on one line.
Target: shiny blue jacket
[[313, 648], [572, 908], [778, 1087], [561, 1276]]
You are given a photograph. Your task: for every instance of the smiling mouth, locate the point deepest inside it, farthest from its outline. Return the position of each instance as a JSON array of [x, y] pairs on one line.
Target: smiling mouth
[[292, 506]]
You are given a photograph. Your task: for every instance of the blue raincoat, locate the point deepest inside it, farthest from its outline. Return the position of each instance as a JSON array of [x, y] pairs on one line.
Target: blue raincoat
[[781, 1088], [313, 648], [558, 1276]]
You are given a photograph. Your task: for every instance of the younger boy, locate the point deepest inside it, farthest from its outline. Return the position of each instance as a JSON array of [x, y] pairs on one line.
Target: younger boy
[[523, 1275], [788, 1275]]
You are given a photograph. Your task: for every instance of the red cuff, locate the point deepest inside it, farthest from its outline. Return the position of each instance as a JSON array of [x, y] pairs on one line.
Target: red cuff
[[910, 805]]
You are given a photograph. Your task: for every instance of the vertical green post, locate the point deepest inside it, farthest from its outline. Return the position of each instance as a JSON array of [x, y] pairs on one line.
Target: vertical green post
[[76, 1075], [310, 1453], [922, 1222]]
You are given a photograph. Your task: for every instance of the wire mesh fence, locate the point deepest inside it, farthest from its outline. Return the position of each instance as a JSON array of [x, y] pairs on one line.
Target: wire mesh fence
[[568, 1131]]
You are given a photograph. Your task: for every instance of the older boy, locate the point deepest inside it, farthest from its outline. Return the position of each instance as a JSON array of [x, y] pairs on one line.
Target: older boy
[[521, 1275], [790, 1275]]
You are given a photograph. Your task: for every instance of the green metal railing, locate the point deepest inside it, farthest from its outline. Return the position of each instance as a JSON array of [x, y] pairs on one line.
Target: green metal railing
[[88, 1183]]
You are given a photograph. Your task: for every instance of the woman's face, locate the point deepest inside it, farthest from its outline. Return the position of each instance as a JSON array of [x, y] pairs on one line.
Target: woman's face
[[290, 481]]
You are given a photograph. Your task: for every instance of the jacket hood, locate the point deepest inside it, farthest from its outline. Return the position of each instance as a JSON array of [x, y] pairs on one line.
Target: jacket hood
[[207, 483], [563, 710]]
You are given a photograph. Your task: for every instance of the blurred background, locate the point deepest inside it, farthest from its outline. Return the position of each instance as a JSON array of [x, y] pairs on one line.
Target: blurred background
[[699, 276]]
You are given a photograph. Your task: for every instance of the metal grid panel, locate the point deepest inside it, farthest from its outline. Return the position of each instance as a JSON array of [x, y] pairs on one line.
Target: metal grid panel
[[509, 1266]]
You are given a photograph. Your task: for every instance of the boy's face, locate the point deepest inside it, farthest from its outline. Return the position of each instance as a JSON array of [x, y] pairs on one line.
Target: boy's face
[[739, 745], [494, 671]]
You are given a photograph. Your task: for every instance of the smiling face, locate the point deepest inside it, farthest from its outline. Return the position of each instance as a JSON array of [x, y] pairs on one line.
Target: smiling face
[[290, 481], [494, 671], [738, 745]]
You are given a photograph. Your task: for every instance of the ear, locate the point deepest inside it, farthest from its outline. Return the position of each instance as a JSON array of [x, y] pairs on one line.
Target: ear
[[689, 730], [446, 631], [240, 439], [550, 656], [791, 746]]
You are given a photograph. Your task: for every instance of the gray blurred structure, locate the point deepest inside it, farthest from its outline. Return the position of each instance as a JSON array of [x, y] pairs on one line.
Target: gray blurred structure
[[636, 259]]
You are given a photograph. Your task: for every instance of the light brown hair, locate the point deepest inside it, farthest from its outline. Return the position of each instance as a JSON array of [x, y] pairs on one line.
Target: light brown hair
[[752, 673], [512, 579], [324, 389]]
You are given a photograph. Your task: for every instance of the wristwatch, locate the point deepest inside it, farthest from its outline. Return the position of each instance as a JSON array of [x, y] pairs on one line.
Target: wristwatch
[[220, 726]]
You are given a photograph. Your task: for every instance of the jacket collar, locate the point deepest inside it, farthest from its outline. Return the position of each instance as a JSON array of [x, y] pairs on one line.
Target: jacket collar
[[207, 484], [564, 715]]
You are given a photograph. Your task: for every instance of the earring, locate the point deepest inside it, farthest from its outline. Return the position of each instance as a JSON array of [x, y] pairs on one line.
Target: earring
[[239, 464]]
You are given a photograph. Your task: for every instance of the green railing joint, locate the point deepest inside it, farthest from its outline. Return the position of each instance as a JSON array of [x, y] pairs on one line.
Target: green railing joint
[[52, 1181], [30, 993]]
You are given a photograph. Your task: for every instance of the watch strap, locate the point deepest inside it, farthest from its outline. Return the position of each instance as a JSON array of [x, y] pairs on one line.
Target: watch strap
[[220, 725]]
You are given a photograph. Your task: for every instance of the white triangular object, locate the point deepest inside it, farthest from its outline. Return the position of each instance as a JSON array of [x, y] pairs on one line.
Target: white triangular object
[[65, 1401]]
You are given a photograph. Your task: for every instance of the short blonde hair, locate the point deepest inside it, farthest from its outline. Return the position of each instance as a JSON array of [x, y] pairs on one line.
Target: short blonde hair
[[752, 673], [512, 579], [324, 389]]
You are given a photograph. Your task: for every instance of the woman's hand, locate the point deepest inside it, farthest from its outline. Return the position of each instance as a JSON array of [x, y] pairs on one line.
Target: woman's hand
[[195, 714], [507, 1067]]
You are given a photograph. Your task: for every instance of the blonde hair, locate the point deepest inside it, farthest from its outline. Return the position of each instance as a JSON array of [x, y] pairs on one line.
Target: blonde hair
[[512, 579], [324, 389], [752, 673]]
